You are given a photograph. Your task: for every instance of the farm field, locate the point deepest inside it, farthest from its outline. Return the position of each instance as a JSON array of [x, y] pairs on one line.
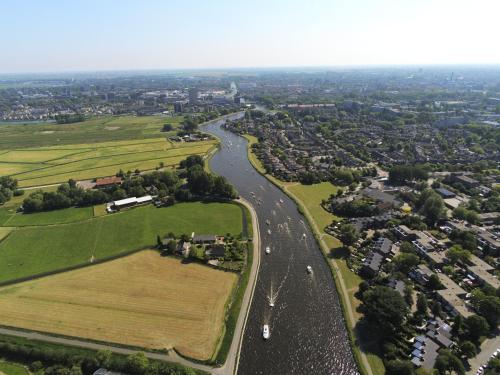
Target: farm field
[[101, 129], [43, 154], [67, 215], [32, 250], [142, 300], [99, 160]]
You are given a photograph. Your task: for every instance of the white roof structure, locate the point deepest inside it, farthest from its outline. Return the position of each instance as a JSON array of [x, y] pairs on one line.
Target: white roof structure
[[124, 202], [132, 200], [144, 199]]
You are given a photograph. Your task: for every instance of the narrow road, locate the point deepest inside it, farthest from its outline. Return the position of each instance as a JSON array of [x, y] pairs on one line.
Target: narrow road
[[231, 365]]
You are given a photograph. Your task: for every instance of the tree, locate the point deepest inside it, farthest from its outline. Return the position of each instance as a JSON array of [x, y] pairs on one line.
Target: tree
[[103, 358], [489, 308], [399, 367], [457, 253], [446, 362], [167, 128], [432, 207], [422, 304], [406, 261], [458, 324], [436, 309], [434, 283], [137, 363], [468, 349], [385, 308], [348, 234], [476, 327]]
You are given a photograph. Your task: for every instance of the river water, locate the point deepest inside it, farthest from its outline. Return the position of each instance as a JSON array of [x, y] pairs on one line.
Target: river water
[[308, 333]]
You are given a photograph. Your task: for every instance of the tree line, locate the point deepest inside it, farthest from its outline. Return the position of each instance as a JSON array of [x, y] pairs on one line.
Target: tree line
[[168, 186]]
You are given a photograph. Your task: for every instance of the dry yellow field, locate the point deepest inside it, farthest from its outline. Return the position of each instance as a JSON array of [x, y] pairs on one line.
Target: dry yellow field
[[141, 300]]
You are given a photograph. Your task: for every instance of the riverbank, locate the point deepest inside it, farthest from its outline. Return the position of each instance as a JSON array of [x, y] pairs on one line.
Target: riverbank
[[346, 281]]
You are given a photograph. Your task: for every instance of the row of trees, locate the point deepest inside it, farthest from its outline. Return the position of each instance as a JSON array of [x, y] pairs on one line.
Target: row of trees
[[8, 188], [401, 174], [166, 185], [50, 360]]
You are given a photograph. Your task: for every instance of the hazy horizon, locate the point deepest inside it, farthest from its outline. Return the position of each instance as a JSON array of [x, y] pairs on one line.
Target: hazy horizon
[[104, 36]]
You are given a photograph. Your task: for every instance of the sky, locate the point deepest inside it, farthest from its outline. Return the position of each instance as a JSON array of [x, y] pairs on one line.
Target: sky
[[94, 35]]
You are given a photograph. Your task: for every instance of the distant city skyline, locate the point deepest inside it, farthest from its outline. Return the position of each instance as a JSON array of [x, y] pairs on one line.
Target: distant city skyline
[[60, 36]]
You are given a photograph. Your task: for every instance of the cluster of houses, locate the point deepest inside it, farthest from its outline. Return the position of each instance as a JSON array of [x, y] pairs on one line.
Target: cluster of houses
[[214, 247], [291, 148]]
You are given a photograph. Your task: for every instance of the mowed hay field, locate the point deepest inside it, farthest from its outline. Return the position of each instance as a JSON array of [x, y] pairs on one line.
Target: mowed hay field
[[31, 250], [141, 300], [101, 159], [41, 154]]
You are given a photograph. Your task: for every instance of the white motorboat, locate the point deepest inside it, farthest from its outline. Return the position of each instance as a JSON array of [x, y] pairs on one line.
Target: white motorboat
[[268, 250], [281, 200], [265, 332], [269, 231], [309, 269], [268, 222]]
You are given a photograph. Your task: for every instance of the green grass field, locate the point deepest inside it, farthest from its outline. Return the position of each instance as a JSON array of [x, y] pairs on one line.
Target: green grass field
[[67, 215], [311, 196], [91, 131], [37, 249], [12, 369], [44, 154], [102, 159]]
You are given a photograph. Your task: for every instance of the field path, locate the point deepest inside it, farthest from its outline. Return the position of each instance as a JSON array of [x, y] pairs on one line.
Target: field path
[[231, 365]]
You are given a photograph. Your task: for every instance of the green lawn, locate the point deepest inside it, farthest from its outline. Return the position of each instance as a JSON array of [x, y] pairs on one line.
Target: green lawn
[[12, 369], [311, 197], [67, 215], [33, 250], [251, 156]]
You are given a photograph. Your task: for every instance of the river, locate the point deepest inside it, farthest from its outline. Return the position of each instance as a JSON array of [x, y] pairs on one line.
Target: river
[[308, 333]]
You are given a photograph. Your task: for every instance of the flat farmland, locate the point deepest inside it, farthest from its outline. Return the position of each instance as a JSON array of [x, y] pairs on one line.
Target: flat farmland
[[42, 154], [102, 129], [142, 300], [103, 161], [85, 161], [31, 250]]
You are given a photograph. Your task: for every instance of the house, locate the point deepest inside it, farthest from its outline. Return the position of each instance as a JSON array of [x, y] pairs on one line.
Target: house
[[424, 352], [445, 193], [465, 180], [421, 274], [128, 202], [453, 297], [372, 263], [204, 239], [488, 218], [216, 251], [404, 233], [440, 333], [483, 272], [103, 371], [488, 241], [102, 183], [383, 246]]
